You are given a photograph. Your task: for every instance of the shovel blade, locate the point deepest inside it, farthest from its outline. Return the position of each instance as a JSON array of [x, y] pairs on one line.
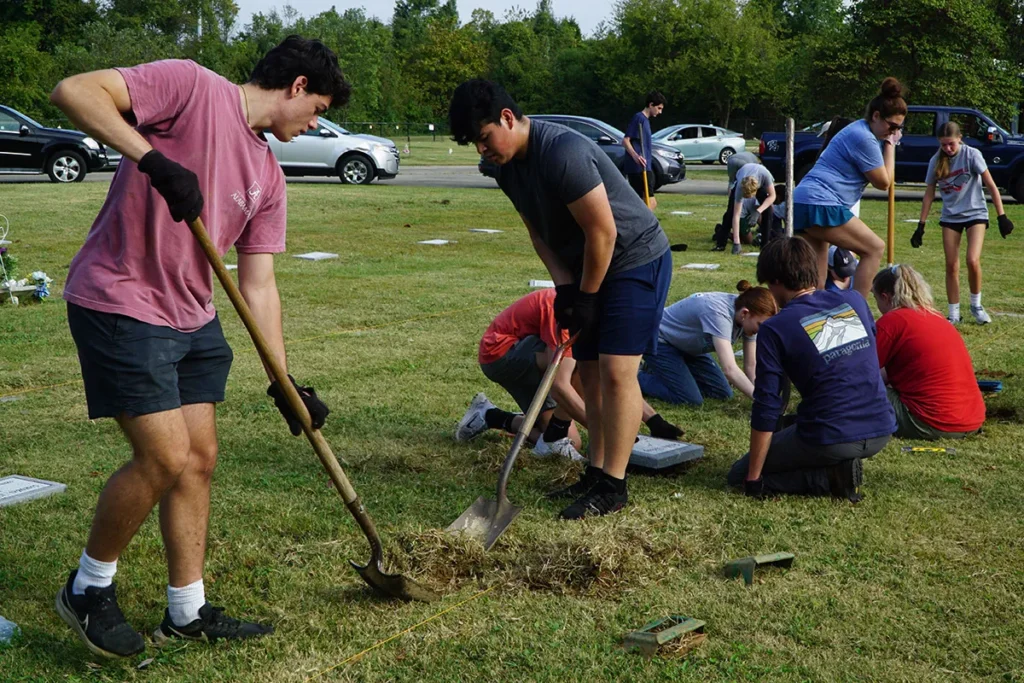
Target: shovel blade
[[393, 585], [484, 521]]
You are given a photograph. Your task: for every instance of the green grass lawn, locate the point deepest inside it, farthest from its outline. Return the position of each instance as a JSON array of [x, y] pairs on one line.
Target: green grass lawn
[[424, 150], [922, 581]]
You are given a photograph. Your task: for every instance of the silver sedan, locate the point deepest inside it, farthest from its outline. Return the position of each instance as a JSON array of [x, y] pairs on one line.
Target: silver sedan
[[703, 143]]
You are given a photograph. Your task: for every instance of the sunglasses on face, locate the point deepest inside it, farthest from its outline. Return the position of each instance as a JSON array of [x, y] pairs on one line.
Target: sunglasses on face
[[893, 127]]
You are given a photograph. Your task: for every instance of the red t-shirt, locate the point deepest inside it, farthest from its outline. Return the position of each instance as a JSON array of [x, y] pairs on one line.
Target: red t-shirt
[[533, 314], [928, 364], [136, 260]]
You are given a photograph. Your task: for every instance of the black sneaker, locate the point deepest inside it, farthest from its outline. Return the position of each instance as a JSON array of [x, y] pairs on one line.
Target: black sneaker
[[212, 625], [587, 480], [98, 621], [601, 499], [844, 480]]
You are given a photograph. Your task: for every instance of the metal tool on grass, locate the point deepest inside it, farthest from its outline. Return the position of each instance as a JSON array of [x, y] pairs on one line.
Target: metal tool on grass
[[486, 520], [390, 585]]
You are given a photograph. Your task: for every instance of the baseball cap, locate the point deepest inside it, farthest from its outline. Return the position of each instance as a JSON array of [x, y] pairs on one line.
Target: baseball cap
[[841, 261]]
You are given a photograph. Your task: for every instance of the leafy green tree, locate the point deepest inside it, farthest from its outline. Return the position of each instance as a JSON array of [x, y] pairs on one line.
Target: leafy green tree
[[26, 72]]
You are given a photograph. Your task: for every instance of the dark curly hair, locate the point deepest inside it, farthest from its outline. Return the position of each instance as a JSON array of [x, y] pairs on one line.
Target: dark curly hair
[[297, 56], [476, 103]]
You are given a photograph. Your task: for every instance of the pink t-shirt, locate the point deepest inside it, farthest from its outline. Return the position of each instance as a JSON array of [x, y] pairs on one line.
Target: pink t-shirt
[[137, 261]]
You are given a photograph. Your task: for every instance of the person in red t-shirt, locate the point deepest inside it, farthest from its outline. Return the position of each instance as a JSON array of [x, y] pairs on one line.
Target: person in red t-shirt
[[924, 360], [514, 353], [140, 304]]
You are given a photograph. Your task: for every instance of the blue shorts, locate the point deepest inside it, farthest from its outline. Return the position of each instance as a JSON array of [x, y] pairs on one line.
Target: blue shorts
[[631, 306], [813, 215]]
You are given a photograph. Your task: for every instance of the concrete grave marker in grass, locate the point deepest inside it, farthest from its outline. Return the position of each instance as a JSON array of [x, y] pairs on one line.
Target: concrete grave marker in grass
[[751, 254], [657, 454], [486, 231], [542, 284], [18, 489], [316, 256], [437, 242], [682, 213], [230, 266], [745, 566], [700, 266]]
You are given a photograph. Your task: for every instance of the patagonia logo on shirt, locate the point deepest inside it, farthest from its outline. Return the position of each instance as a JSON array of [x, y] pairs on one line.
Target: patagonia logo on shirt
[[836, 332]]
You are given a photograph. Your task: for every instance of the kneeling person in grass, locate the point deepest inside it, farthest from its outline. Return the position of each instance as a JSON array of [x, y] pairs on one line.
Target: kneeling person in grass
[[514, 353], [931, 380], [607, 255], [140, 304], [824, 342]]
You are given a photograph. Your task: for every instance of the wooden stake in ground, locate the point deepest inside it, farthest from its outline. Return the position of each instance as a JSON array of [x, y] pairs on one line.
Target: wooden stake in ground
[[891, 241]]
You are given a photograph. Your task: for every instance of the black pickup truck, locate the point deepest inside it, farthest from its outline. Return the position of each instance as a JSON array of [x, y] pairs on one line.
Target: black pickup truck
[[1003, 152]]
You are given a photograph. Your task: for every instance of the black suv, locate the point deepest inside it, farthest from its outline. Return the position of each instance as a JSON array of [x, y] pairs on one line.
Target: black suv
[[27, 146], [669, 163]]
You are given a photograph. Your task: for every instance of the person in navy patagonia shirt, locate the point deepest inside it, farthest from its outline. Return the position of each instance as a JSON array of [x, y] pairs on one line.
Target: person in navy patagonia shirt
[[824, 342], [638, 135]]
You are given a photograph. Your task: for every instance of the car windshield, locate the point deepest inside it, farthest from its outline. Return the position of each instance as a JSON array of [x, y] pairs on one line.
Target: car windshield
[[665, 132], [330, 125]]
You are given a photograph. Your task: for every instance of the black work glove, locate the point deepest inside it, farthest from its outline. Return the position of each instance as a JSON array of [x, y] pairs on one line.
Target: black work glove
[[661, 428], [565, 295], [918, 236], [585, 314], [754, 488], [178, 185], [318, 410], [1005, 225]]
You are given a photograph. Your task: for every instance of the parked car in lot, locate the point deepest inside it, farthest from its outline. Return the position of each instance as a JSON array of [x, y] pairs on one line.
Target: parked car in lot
[[669, 164], [706, 144], [27, 146], [329, 149]]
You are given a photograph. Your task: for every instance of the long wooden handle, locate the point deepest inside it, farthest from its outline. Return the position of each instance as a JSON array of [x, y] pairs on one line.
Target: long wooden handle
[[891, 241], [647, 192], [323, 451]]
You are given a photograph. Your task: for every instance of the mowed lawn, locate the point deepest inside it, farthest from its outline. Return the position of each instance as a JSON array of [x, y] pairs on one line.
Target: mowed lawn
[[922, 581]]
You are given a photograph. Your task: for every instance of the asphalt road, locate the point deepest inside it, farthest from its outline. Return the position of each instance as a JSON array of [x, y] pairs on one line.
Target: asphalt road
[[468, 176]]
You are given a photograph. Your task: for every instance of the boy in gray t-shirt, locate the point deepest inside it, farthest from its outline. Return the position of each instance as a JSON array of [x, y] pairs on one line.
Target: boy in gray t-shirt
[[607, 255]]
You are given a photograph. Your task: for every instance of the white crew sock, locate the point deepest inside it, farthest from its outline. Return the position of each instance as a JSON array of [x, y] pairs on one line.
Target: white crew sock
[[92, 573], [954, 311], [183, 603], [976, 300]]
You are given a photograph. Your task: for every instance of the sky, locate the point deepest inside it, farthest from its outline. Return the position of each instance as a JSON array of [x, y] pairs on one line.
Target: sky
[[588, 13]]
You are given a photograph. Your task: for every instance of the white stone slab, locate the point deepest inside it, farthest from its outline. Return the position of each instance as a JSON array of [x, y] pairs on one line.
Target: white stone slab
[[4, 243], [18, 489], [437, 242], [486, 231], [910, 220], [701, 266], [660, 453], [751, 254], [316, 256], [682, 213], [542, 284], [231, 266]]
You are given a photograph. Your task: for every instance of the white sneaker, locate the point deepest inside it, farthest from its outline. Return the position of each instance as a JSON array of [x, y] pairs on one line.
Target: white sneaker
[[473, 423], [980, 316], [562, 447]]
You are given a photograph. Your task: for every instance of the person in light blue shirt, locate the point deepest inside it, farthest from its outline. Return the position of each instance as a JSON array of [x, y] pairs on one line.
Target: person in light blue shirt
[[862, 152]]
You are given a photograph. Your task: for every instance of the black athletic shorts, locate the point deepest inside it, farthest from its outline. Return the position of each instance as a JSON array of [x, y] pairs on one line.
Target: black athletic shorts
[[960, 227], [636, 181], [135, 368]]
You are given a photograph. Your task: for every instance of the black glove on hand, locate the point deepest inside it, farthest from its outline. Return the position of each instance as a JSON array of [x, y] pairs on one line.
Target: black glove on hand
[[754, 488], [661, 428], [915, 239], [585, 314], [178, 185], [1005, 225], [318, 410], [565, 295]]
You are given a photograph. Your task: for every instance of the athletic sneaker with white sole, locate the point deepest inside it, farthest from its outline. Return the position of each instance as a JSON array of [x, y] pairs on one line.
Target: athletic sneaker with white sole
[[562, 447], [953, 321], [212, 625], [980, 315], [98, 621], [473, 423]]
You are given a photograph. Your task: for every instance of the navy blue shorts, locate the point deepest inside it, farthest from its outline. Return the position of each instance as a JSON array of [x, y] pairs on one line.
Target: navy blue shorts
[[135, 368], [631, 306]]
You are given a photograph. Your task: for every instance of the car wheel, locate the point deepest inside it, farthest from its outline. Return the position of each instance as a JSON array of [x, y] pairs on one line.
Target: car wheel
[[66, 167], [1018, 189], [723, 156], [355, 169]]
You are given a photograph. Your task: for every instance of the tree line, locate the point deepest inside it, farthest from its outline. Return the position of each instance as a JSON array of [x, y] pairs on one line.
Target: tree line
[[714, 60]]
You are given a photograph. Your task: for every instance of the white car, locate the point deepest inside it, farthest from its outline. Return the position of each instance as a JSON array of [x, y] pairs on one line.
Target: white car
[[329, 149], [706, 144]]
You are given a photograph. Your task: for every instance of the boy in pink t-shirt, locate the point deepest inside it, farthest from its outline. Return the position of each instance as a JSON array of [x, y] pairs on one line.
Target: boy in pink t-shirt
[[140, 306]]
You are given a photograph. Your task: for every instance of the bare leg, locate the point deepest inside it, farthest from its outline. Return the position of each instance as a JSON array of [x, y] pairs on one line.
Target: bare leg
[[857, 237], [160, 448], [975, 240], [185, 508], [590, 376], [820, 244], [951, 247], [622, 408]]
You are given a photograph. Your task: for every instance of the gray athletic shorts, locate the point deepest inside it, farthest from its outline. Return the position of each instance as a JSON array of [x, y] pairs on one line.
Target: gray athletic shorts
[[909, 426], [517, 371]]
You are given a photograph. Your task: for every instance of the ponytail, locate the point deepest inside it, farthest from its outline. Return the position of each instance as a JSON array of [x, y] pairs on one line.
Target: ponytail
[[757, 300], [906, 287]]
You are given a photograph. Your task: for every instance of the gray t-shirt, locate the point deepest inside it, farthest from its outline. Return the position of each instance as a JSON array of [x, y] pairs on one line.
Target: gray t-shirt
[[738, 161], [690, 325], [763, 175], [561, 166], [963, 192]]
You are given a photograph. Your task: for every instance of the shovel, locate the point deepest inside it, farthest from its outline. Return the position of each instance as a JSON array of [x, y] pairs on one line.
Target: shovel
[[486, 520], [389, 585]]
